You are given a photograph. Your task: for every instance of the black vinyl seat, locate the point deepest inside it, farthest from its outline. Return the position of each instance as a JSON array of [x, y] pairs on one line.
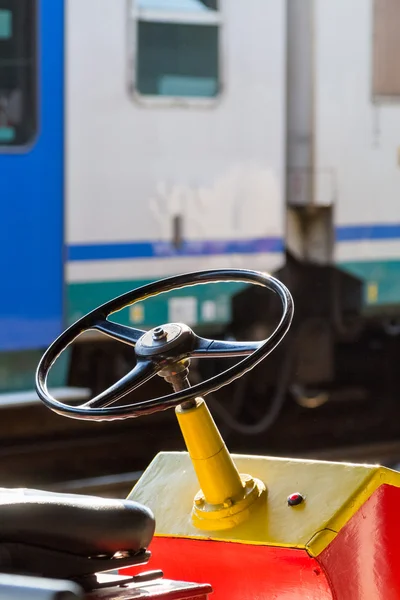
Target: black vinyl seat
[[84, 525], [70, 535]]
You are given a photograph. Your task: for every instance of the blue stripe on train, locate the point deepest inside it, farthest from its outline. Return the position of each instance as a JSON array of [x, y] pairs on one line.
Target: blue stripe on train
[[355, 233], [160, 249]]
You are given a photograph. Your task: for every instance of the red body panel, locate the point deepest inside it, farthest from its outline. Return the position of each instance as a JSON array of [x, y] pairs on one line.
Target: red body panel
[[363, 561], [240, 571]]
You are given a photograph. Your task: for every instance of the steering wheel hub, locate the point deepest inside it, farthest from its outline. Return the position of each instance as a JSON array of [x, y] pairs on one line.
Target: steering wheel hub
[[171, 339]]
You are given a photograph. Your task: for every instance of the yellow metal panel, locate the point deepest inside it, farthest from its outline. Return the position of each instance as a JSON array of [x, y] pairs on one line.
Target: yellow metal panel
[[333, 493]]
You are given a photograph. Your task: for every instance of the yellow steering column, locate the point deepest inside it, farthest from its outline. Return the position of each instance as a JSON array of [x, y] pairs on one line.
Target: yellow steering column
[[226, 498]]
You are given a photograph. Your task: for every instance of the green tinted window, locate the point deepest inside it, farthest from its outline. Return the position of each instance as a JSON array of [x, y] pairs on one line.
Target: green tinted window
[[178, 60], [177, 48], [18, 107], [5, 24]]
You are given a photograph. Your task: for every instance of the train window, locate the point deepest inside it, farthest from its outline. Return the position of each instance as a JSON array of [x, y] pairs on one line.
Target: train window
[[177, 48], [386, 49], [17, 72], [5, 24]]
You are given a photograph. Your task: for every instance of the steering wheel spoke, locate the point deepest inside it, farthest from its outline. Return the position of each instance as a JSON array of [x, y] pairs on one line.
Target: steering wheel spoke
[[205, 348], [141, 372], [121, 333]]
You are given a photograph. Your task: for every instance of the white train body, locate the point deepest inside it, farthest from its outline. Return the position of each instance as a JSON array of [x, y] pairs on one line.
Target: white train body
[[357, 143], [139, 165], [218, 170]]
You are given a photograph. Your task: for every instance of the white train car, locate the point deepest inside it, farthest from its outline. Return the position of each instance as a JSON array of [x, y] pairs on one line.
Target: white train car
[[175, 132], [357, 124], [140, 139], [343, 184]]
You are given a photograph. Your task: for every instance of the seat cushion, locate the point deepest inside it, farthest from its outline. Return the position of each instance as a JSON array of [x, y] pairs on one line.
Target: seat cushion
[[78, 524]]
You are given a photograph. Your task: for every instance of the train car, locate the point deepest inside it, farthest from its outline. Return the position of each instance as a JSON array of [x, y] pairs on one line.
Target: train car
[[343, 166], [342, 234], [158, 136], [358, 172], [125, 158], [342, 207]]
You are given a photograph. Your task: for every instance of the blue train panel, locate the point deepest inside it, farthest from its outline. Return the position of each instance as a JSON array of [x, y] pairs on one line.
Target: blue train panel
[[31, 172]]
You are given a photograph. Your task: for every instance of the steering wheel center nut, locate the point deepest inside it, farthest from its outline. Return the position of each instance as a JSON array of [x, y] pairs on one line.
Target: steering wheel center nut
[[159, 333], [233, 511]]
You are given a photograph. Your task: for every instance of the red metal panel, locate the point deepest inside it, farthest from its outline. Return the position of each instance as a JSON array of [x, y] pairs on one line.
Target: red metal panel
[[241, 571], [363, 561]]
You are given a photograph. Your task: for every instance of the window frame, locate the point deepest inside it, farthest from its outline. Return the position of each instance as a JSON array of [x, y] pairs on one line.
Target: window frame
[[136, 14], [31, 142]]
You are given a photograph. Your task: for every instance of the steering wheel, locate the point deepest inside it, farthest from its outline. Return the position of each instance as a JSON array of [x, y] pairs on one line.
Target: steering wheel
[[163, 349]]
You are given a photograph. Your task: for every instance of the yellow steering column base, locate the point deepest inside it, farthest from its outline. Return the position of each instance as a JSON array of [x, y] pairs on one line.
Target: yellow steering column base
[[226, 498]]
